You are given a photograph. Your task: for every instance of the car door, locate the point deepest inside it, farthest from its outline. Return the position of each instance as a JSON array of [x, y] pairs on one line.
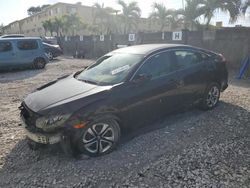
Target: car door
[[27, 51], [192, 74], [152, 90], [7, 54]]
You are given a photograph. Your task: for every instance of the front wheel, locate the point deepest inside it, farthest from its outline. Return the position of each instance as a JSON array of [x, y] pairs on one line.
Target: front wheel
[[99, 138], [211, 97]]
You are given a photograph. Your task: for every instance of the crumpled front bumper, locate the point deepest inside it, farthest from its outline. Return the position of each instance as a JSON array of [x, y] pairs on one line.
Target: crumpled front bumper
[[44, 138]]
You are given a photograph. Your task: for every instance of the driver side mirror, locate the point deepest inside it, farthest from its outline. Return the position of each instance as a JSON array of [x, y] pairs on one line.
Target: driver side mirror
[[141, 78]]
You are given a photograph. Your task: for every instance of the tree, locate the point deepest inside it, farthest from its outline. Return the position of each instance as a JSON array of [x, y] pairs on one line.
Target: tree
[[33, 10], [161, 14], [106, 21], [130, 14], [208, 8], [57, 25], [45, 6], [94, 29], [1, 29], [175, 20], [245, 6], [45, 27], [165, 16], [73, 23], [191, 13], [48, 26]]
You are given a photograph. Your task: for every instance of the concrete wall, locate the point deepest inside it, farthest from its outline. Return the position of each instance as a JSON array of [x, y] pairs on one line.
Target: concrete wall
[[233, 43]]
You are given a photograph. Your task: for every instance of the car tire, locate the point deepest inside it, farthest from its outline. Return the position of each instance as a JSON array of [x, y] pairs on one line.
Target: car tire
[[39, 63], [211, 97], [99, 138], [50, 55]]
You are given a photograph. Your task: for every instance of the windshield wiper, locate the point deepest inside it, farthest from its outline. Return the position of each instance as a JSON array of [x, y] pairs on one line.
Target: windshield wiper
[[88, 81]]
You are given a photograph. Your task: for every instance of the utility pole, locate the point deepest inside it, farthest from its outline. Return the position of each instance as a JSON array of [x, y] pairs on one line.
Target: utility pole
[[183, 5]]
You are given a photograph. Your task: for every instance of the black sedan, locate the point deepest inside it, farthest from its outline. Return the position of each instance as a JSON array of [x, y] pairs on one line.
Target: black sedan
[[52, 50], [89, 110]]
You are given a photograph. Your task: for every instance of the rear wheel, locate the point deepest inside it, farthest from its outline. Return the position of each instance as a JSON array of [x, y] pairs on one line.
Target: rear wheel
[[99, 138], [211, 97], [39, 63]]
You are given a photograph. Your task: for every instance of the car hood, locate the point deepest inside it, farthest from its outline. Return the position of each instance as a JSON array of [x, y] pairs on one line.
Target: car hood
[[59, 92]]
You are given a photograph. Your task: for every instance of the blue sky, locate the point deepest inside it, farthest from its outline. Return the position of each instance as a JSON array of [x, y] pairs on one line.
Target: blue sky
[[11, 10]]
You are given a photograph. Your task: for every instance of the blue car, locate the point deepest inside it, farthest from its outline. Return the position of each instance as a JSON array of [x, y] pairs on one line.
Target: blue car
[[22, 52]]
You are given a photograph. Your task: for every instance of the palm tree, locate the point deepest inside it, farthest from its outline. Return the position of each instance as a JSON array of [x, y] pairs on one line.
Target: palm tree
[[175, 20], [130, 14], [161, 14], [165, 16], [73, 23], [58, 25], [245, 6], [48, 26], [208, 7], [191, 13], [105, 17]]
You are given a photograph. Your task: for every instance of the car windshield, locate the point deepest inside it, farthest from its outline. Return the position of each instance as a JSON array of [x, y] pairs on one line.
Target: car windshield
[[111, 69]]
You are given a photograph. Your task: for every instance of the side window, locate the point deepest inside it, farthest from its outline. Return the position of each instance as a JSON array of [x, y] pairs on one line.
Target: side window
[[27, 44], [158, 65], [185, 58], [204, 57], [5, 46]]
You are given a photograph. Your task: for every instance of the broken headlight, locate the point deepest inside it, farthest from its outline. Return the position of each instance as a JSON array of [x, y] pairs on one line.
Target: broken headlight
[[51, 122]]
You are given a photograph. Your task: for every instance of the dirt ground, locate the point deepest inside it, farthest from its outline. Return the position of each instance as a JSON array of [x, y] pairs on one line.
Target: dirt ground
[[190, 149]]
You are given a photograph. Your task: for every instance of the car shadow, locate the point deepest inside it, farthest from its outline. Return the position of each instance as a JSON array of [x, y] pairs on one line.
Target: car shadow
[[161, 123], [21, 156], [20, 74], [55, 60]]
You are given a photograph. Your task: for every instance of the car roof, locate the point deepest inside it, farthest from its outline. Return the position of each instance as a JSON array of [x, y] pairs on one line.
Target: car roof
[[12, 35], [145, 49], [21, 38]]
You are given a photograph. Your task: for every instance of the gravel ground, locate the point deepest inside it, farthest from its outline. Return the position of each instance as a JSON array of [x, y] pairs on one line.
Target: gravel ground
[[190, 149]]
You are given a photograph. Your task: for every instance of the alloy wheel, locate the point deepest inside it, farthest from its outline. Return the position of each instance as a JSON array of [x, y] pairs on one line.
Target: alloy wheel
[[49, 55], [213, 96], [99, 138]]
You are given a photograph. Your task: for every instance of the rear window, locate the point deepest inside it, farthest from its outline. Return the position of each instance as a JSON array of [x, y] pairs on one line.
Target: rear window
[[27, 45], [5, 46]]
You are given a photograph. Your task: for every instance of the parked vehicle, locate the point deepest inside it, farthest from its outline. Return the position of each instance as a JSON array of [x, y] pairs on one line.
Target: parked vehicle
[[12, 36], [22, 52], [52, 51], [50, 40], [122, 90]]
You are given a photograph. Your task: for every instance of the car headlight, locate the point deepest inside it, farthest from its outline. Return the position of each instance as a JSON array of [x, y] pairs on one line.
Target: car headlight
[[51, 122]]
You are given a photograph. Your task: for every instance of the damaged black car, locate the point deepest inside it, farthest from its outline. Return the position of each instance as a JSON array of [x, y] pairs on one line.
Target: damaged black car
[[122, 90]]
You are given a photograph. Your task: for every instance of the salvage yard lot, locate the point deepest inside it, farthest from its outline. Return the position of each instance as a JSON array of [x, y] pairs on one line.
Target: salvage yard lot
[[193, 148]]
